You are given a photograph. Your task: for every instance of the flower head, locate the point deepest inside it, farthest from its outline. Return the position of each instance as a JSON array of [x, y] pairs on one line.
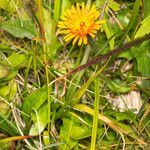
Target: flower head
[[79, 22]]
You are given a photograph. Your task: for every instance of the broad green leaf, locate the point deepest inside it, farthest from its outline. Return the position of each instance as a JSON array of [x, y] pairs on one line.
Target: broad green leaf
[[39, 120], [126, 54], [145, 27], [13, 63], [16, 59], [81, 132], [12, 73], [109, 33], [52, 48], [52, 44], [19, 28], [49, 26], [118, 88], [142, 56], [65, 132], [121, 116], [34, 101]]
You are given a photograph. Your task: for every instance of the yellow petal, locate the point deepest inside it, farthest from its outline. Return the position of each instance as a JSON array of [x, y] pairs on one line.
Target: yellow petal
[[94, 31], [83, 7], [69, 34], [100, 22], [68, 12], [92, 35], [63, 18], [85, 40], [87, 8], [73, 9], [96, 26], [70, 37], [61, 26], [80, 41], [75, 40], [64, 31]]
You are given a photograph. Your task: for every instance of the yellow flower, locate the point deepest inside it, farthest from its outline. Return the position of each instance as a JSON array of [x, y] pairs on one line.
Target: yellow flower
[[79, 22]]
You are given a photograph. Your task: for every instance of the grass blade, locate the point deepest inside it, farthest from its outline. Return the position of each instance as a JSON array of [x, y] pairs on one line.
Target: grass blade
[[95, 116]]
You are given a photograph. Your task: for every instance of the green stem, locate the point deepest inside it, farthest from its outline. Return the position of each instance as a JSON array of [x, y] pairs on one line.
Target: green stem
[[96, 111], [47, 84]]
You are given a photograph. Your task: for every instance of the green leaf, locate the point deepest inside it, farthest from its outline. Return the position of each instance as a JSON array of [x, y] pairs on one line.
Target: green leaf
[[126, 54], [65, 132], [52, 44], [109, 33], [39, 120], [122, 116], [12, 73], [115, 87], [142, 56], [16, 59], [81, 132], [145, 27], [34, 101], [13, 63], [19, 28]]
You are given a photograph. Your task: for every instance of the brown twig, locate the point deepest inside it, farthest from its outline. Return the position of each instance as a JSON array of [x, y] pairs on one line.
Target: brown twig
[[116, 51]]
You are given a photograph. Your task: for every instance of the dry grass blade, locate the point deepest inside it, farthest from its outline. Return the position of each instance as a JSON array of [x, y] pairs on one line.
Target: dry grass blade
[[144, 116], [110, 123]]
